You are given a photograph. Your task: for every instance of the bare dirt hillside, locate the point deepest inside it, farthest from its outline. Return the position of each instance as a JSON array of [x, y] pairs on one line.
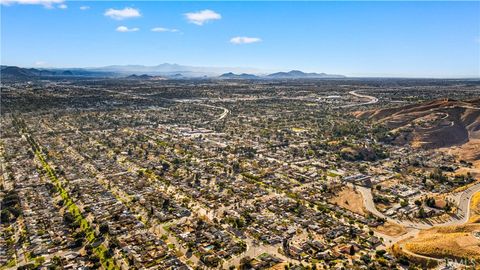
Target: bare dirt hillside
[[433, 124], [454, 242]]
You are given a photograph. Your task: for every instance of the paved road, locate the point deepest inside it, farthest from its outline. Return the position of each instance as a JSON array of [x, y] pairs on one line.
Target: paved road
[[370, 206], [371, 99], [464, 198], [220, 117]]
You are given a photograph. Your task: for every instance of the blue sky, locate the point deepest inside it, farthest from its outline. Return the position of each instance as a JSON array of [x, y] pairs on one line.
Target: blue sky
[[414, 39]]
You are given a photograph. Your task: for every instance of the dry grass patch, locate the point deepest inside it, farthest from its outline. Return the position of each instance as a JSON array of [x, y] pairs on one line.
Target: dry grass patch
[[467, 151], [475, 209], [279, 266], [350, 199], [447, 242], [398, 252], [391, 229]]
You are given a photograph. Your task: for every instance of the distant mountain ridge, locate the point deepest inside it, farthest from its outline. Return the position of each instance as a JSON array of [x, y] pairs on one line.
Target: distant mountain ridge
[[24, 73], [294, 74], [231, 75], [166, 71], [143, 76]]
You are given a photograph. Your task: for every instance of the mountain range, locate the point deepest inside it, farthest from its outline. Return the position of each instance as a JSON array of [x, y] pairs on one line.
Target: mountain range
[[300, 74], [18, 72], [243, 76], [167, 71]]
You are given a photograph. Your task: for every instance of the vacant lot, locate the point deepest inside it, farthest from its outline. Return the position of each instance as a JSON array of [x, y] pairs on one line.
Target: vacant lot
[[350, 199], [391, 229]]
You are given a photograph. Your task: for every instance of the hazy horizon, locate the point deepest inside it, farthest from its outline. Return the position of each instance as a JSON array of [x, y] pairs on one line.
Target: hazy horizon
[[355, 39]]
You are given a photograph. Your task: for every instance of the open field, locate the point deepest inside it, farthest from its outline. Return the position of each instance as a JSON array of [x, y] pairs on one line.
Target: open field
[[350, 199], [391, 229]]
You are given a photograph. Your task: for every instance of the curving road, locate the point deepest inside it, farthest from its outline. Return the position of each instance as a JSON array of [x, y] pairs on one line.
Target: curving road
[[371, 100], [370, 206], [463, 199], [220, 117]]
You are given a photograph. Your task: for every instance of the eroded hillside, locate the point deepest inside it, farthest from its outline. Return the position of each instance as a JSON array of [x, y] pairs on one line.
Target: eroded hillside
[[434, 124]]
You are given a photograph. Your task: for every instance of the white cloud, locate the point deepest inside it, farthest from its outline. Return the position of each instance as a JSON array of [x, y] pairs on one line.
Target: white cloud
[[45, 3], [126, 29], [121, 14], [40, 63], [203, 16], [84, 7], [62, 6], [244, 40], [163, 29]]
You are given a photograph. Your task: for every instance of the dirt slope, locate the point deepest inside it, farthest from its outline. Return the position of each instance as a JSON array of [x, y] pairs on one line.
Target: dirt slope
[[433, 124]]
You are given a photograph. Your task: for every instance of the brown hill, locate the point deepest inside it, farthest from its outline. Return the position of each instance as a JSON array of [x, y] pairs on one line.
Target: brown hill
[[433, 124]]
